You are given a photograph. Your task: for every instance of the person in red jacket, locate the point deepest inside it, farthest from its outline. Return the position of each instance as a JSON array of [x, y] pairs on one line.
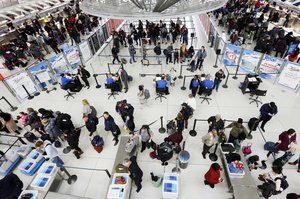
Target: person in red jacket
[[285, 140], [212, 176]]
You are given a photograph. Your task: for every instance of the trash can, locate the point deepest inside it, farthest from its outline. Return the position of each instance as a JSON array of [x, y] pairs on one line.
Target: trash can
[[184, 158]]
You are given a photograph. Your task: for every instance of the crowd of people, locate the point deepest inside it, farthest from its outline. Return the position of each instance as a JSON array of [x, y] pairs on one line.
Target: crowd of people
[[35, 37], [249, 20], [54, 127]]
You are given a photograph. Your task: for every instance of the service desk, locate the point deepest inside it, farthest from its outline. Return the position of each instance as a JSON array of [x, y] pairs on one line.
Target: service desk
[[243, 187], [250, 84], [119, 191]]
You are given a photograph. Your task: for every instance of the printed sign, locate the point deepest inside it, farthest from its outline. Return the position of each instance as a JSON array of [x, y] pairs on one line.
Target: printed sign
[[231, 55], [290, 76], [250, 60], [270, 66]]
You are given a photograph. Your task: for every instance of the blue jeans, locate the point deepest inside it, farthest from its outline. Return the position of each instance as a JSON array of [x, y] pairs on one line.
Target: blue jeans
[[217, 84], [132, 58], [56, 160], [157, 59]]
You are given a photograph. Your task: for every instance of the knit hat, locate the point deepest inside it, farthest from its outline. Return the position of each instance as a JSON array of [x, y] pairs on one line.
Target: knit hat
[[240, 121]]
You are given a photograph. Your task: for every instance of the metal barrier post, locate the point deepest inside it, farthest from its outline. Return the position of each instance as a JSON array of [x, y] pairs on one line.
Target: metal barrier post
[[180, 75], [12, 108], [162, 129], [183, 84], [225, 85], [97, 84], [193, 132]]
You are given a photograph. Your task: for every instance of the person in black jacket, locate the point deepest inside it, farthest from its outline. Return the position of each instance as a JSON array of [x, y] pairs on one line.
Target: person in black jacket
[[186, 112], [10, 186], [46, 114], [64, 122], [179, 122], [219, 76], [84, 74], [194, 85], [91, 123], [215, 122], [136, 173], [115, 51], [110, 125], [124, 109], [72, 137]]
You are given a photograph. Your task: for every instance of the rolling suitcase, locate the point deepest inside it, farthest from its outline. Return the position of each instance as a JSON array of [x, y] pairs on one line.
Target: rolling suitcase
[[30, 137]]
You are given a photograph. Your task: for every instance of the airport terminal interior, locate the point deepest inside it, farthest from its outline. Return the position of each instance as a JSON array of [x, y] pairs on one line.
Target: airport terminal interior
[[116, 43]]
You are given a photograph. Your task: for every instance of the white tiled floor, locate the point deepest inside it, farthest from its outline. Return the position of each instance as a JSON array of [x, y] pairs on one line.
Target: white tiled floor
[[230, 103]]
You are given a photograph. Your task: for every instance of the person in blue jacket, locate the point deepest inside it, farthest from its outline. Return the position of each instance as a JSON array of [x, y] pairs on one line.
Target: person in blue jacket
[[110, 125], [267, 111], [194, 85], [162, 85], [206, 85]]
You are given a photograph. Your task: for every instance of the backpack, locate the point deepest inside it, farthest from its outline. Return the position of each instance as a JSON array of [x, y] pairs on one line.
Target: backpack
[[88, 74], [147, 94], [97, 141], [171, 125], [166, 52], [231, 157], [94, 112], [284, 184]]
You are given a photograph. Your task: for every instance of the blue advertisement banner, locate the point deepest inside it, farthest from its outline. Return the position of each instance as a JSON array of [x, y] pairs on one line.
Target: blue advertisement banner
[[41, 74], [270, 66], [231, 55], [58, 64]]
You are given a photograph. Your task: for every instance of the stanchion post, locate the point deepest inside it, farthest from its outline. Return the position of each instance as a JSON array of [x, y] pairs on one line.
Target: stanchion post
[[12, 108], [236, 71], [21, 140], [29, 96], [225, 85], [216, 66], [71, 178], [183, 84], [180, 75], [97, 84], [162, 129], [193, 132]]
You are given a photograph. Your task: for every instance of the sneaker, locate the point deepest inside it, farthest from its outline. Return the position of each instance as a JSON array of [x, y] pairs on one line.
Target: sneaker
[[263, 129], [298, 170], [292, 163]]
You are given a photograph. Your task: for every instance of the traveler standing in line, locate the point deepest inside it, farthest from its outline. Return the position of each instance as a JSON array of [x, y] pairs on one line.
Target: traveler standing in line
[[84, 75], [115, 51], [124, 78], [132, 52], [141, 94], [219, 76], [191, 101], [168, 53], [237, 128], [91, 123], [215, 122], [208, 141], [7, 121], [201, 55], [86, 109], [146, 137], [267, 111], [110, 125], [157, 51], [10, 186]]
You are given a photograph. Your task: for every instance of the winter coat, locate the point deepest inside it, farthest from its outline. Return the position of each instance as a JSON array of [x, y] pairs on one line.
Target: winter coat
[[214, 124], [109, 124], [8, 121], [73, 138], [176, 137], [10, 186], [131, 50], [285, 141], [281, 45], [52, 129], [91, 124], [212, 176], [34, 121], [136, 172], [265, 109], [64, 122]]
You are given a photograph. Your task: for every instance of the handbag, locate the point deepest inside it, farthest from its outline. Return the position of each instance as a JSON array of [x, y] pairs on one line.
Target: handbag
[[247, 149]]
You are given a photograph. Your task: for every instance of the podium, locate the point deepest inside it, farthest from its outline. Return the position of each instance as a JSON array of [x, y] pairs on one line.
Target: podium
[[250, 83]]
